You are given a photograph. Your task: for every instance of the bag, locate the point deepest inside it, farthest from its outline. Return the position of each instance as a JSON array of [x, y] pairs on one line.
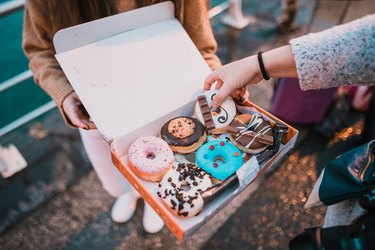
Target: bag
[[295, 106], [359, 236], [351, 175]]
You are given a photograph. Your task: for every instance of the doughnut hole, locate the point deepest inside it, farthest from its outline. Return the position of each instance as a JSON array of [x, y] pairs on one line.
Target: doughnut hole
[[185, 186], [150, 153], [219, 160]]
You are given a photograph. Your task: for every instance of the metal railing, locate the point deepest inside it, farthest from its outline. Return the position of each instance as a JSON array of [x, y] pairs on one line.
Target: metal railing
[[218, 9], [11, 6], [28, 117], [14, 5], [6, 9], [15, 80]]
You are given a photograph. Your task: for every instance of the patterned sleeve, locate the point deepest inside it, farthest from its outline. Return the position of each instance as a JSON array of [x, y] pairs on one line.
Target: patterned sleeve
[[341, 55]]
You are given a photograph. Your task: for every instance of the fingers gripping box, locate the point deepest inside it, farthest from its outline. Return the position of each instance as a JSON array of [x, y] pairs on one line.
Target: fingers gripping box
[[133, 72]]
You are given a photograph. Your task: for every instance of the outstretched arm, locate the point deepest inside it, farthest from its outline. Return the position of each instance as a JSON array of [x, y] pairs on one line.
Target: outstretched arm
[[338, 56], [232, 78]]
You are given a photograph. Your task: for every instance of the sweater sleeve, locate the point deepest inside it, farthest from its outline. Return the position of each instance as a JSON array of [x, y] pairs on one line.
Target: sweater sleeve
[[38, 48], [341, 55], [197, 25]]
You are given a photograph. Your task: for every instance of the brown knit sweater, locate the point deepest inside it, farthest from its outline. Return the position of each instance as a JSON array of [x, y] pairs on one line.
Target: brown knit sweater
[[39, 29]]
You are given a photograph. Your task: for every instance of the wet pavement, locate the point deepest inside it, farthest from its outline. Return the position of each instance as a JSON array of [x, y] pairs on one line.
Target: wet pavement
[[59, 202]]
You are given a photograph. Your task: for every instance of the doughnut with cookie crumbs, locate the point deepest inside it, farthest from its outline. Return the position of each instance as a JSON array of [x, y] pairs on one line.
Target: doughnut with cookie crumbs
[[183, 134]]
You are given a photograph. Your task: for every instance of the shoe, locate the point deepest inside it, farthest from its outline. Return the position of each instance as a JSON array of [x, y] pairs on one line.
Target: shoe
[[124, 207], [151, 220]]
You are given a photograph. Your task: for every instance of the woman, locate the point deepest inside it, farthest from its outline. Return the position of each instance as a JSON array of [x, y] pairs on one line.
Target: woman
[[338, 56], [42, 20]]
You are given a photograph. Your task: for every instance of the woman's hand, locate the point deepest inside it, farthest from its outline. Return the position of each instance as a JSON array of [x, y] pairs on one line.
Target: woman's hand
[[232, 79], [75, 111]]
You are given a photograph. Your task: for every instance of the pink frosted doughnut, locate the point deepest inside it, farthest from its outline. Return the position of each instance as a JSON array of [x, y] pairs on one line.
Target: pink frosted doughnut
[[149, 157]]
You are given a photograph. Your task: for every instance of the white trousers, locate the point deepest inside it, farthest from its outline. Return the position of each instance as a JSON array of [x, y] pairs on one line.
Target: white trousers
[[99, 154]]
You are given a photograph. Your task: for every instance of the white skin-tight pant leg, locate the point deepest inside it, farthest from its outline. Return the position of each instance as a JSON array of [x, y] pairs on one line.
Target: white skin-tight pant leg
[[99, 154]]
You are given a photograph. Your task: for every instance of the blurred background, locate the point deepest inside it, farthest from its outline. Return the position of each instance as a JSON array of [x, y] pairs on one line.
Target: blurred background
[[56, 201]]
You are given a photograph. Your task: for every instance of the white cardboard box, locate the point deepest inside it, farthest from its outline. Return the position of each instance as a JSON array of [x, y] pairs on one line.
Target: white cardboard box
[[133, 72]]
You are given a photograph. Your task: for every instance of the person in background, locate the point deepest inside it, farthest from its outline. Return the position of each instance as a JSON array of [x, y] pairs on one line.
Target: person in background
[[42, 20], [342, 55]]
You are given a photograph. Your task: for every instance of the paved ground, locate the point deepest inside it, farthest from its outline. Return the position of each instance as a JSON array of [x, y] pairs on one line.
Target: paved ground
[[72, 209]]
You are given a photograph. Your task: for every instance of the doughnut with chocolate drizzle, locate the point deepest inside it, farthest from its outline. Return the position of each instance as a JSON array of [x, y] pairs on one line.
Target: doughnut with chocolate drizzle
[[251, 133]]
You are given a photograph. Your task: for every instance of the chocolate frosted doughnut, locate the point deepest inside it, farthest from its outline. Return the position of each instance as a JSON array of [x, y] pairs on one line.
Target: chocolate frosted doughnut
[[251, 133], [183, 134]]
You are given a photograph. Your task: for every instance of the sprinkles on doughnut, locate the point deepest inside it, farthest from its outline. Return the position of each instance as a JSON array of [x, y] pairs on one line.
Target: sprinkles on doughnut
[[221, 117], [219, 158], [149, 157], [181, 188]]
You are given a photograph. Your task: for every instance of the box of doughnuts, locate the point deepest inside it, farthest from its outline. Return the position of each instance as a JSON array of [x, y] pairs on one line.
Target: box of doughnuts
[[140, 78]]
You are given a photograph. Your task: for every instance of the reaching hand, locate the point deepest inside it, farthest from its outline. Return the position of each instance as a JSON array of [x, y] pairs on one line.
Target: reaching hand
[[231, 79], [75, 111]]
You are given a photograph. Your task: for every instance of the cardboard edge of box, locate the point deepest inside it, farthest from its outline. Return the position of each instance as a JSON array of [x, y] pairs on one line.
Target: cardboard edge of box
[[288, 139]]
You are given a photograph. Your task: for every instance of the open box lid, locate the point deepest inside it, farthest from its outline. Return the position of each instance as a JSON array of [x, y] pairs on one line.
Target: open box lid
[[130, 69]]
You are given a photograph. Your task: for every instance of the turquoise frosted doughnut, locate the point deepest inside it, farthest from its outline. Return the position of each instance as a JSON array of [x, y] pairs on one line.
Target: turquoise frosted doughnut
[[219, 158]]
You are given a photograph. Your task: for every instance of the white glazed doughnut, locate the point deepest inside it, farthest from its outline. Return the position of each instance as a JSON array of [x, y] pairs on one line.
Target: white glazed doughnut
[[223, 117], [181, 188], [149, 157]]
